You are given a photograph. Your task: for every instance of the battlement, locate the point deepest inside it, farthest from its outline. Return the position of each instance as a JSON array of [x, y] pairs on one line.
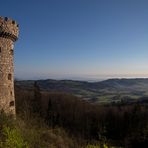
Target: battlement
[[9, 28]]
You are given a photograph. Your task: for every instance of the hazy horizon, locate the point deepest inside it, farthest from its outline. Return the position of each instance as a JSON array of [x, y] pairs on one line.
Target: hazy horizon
[[80, 78]]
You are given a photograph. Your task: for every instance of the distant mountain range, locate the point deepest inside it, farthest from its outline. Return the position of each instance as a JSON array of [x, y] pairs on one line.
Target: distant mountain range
[[111, 90]]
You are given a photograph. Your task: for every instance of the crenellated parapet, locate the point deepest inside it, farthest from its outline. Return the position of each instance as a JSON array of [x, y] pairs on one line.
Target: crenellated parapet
[[9, 28]]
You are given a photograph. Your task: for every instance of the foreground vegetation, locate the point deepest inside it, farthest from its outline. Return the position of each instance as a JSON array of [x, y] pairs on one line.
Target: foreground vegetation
[[31, 133], [57, 120]]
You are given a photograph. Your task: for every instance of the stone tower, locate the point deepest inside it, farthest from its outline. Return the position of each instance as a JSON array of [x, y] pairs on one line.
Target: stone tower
[[8, 35]]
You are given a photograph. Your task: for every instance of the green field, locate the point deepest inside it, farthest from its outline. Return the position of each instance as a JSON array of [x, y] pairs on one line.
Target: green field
[[108, 91]]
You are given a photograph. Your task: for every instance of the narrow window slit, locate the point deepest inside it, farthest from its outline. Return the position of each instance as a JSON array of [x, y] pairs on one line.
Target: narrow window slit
[[11, 52], [11, 103], [9, 76]]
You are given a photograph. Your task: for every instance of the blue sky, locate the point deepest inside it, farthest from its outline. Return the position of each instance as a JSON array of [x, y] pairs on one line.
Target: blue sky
[[80, 39]]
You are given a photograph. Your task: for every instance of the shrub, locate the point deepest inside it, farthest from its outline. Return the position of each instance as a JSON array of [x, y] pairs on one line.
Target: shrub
[[10, 135], [12, 139]]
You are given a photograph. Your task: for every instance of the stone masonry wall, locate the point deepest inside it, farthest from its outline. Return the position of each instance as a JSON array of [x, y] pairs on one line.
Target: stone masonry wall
[[8, 34]]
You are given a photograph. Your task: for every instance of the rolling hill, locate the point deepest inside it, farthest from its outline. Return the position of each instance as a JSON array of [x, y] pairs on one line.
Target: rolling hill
[[111, 90]]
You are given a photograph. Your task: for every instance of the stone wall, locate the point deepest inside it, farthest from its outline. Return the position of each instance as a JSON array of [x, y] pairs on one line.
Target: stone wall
[[8, 34]]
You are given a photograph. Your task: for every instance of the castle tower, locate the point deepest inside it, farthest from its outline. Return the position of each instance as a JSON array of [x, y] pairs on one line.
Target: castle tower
[[8, 35]]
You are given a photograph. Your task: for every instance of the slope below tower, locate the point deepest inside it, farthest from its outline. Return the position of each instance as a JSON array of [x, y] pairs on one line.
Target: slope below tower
[[8, 35]]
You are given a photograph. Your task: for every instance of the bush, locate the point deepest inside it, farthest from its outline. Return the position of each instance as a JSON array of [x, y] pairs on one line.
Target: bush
[[12, 139], [10, 135]]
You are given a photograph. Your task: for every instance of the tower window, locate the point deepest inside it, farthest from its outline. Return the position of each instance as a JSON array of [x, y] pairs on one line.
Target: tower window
[[11, 52], [11, 103], [9, 76]]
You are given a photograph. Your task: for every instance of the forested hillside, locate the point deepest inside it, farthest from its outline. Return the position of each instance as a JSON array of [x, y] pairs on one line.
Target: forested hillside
[[84, 124], [108, 91]]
